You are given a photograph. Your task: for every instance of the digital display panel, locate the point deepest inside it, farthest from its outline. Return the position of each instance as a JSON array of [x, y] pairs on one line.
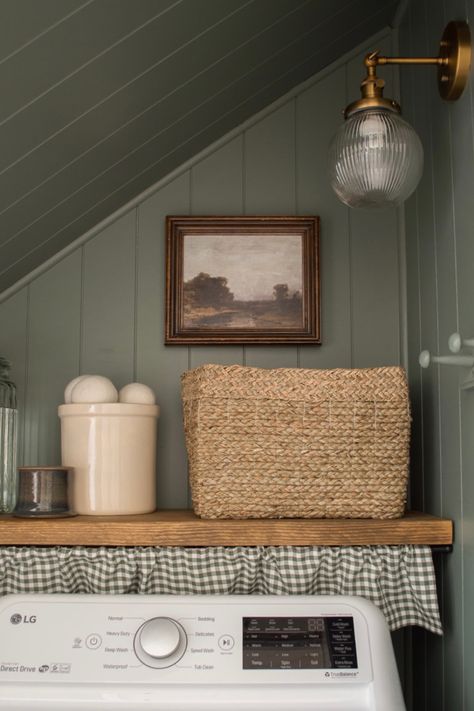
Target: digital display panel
[[299, 643]]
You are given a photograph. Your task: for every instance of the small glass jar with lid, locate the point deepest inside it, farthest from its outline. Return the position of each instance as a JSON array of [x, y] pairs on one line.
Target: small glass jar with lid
[[8, 439]]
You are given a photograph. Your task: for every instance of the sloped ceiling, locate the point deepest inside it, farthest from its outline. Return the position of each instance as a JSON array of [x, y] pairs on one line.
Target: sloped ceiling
[[101, 98]]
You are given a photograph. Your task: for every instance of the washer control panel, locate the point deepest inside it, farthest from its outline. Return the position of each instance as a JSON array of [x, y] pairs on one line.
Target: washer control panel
[[299, 642], [183, 639]]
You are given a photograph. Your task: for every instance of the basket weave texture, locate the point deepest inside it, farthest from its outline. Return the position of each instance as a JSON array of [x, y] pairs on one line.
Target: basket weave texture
[[297, 443]]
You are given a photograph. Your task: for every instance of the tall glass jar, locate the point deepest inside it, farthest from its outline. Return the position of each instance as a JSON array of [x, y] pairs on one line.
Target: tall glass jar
[[8, 439]]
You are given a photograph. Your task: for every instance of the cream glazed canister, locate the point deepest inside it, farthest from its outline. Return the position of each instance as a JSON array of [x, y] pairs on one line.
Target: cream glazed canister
[[112, 449]]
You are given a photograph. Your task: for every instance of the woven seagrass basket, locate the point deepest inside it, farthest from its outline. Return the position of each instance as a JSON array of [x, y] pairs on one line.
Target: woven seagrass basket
[[295, 443]]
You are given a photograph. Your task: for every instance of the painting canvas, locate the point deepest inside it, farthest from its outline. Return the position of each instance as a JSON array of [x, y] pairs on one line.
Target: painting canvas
[[242, 280]]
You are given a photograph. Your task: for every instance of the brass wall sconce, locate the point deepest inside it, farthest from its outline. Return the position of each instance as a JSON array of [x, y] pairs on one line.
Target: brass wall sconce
[[376, 157]]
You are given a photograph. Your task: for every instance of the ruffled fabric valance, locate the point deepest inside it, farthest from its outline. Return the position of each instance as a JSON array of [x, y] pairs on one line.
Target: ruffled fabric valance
[[400, 580]]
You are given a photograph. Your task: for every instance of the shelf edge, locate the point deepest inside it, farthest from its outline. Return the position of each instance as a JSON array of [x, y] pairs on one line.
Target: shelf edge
[[183, 528]]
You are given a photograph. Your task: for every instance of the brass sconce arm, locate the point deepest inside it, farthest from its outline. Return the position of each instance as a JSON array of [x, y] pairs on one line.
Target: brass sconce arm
[[453, 64], [369, 60]]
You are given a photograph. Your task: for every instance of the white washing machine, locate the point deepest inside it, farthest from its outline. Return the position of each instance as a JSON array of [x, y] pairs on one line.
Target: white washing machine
[[195, 653]]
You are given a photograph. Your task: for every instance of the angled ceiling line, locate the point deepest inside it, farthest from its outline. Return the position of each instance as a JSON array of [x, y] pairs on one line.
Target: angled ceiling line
[[163, 157], [181, 169], [166, 155], [151, 106], [141, 74], [171, 93], [45, 31], [90, 61]]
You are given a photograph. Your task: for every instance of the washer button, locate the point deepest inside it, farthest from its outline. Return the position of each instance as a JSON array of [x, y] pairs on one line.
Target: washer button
[[226, 642], [93, 641], [160, 642], [160, 637]]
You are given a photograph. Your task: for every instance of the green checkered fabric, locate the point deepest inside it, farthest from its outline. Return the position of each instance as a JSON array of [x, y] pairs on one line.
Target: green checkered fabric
[[400, 580]]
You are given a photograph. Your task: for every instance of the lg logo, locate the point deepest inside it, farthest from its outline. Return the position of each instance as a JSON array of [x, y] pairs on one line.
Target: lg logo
[[16, 619]]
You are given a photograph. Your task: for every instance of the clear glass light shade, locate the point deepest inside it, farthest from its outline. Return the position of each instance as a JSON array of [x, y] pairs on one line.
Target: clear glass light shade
[[375, 159]]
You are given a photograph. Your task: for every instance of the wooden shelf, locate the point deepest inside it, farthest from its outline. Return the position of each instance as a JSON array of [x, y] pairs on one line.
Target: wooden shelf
[[184, 528]]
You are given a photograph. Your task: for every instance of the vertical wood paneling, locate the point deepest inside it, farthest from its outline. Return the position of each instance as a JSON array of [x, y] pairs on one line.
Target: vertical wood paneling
[[399, 643], [467, 418], [270, 188], [110, 96], [462, 139], [428, 277], [217, 180], [444, 225], [102, 309], [276, 165], [315, 196], [449, 426], [416, 674], [108, 312], [374, 254], [269, 177], [53, 357], [375, 297], [158, 366], [462, 122], [429, 326], [112, 315]]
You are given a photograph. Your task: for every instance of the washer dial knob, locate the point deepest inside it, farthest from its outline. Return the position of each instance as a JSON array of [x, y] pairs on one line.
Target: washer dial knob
[[160, 642]]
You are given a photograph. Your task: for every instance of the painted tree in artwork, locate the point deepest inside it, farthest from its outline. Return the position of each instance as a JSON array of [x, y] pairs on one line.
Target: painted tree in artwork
[[281, 292], [283, 297], [205, 290]]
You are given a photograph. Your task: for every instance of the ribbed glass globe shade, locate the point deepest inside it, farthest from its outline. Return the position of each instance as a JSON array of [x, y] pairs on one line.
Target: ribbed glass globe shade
[[375, 159]]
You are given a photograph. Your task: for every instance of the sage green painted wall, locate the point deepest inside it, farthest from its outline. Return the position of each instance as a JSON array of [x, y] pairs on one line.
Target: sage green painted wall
[[101, 308], [100, 99], [440, 262]]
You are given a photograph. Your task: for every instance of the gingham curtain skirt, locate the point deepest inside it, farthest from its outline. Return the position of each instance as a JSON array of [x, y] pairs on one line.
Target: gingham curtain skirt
[[400, 580]]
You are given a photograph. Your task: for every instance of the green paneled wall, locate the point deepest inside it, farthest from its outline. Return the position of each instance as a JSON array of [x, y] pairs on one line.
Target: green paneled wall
[[440, 260], [101, 308]]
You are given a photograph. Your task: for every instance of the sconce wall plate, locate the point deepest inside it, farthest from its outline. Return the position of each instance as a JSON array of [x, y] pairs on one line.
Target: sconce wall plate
[[455, 51]]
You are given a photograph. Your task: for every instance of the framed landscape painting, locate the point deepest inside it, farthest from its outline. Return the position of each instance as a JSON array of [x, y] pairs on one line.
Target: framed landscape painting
[[242, 280]]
